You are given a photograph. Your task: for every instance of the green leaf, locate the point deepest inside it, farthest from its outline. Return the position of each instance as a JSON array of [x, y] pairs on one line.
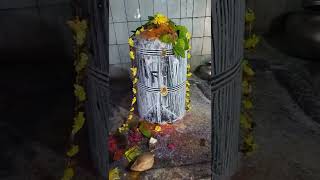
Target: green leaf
[[73, 150], [78, 123], [179, 48], [178, 51], [146, 132], [83, 61], [68, 174], [166, 38], [248, 70], [182, 30], [244, 122], [251, 42], [247, 104], [79, 92], [186, 44], [250, 16]]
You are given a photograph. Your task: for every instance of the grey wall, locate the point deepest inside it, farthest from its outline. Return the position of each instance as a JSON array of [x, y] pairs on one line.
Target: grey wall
[[35, 30], [267, 11], [194, 14]]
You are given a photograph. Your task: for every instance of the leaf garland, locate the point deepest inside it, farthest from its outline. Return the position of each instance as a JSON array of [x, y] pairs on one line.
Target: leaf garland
[[79, 28], [246, 121]]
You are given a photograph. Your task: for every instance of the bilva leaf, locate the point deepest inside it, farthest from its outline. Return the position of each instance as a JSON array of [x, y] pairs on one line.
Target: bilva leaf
[[73, 150], [78, 122], [166, 38], [146, 132]]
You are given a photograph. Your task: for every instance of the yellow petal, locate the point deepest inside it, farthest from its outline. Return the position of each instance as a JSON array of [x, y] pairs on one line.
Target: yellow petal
[[132, 109], [133, 101], [130, 41], [134, 90], [189, 74], [135, 81], [188, 84], [130, 117], [157, 128], [133, 71], [131, 55]]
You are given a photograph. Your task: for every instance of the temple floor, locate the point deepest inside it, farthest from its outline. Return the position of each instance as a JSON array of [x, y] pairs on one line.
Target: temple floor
[[36, 108]]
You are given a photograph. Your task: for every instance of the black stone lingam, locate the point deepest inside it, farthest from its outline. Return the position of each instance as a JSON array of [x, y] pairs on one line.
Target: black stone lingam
[[302, 30]]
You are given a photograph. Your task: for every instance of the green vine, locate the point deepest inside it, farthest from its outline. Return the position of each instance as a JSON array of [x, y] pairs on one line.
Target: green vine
[[246, 121], [79, 28]]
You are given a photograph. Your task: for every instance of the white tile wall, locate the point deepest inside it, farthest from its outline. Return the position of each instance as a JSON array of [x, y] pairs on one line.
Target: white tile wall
[[206, 48], [208, 8], [187, 22], [110, 15], [198, 27], [112, 35], [177, 21], [160, 6], [189, 8], [118, 10], [196, 46], [207, 26], [132, 26], [146, 9], [194, 14], [124, 53], [199, 8], [122, 33], [114, 57], [132, 10], [174, 8]]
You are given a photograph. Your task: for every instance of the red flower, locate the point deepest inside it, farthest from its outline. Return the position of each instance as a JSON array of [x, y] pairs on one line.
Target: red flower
[[112, 144], [118, 154]]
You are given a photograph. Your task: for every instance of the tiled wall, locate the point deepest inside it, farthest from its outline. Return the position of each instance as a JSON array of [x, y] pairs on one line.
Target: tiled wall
[[124, 18]]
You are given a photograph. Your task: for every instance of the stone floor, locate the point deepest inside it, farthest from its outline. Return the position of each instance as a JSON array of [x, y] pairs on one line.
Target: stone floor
[[36, 110]]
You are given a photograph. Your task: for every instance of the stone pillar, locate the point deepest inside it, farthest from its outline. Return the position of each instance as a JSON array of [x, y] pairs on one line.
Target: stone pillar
[[228, 35]]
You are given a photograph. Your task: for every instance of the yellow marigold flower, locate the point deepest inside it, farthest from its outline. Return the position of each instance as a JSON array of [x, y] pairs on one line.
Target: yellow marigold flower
[[160, 19], [142, 29], [137, 32], [189, 55], [188, 35], [157, 128], [131, 43], [131, 55], [134, 71]]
